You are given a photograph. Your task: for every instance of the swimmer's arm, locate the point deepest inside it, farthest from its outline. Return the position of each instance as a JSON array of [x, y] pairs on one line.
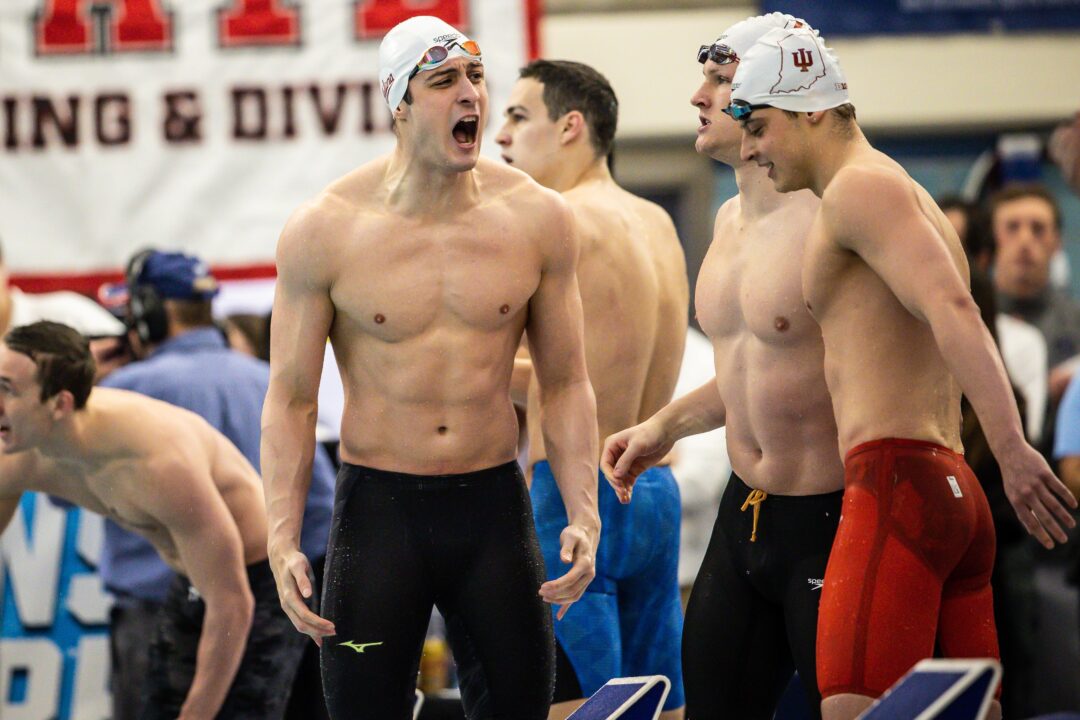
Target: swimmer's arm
[[8, 505], [211, 551], [17, 475], [878, 217], [630, 452], [696, 412], [300, 324], [555, 331]]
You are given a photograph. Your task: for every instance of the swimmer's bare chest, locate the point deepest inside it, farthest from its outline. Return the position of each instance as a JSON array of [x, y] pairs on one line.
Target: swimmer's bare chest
[[750, 289], [454, 277], [110, 491]]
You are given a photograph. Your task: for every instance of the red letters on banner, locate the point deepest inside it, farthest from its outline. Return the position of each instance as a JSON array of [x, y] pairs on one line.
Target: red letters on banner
[[66, 26], [258, 22], [70, 26], [374, 18]]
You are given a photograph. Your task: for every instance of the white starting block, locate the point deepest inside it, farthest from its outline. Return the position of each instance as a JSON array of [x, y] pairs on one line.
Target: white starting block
[[940, 690], [632, 698], [417, 704]]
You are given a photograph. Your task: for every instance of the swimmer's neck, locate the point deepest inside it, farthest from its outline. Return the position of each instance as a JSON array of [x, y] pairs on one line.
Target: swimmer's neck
[[580, 168], [834, 150], [758, 196], [415, 186], [73, 439]]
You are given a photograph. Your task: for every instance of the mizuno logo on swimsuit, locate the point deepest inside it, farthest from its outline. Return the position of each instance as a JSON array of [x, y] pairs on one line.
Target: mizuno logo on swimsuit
[[815, 582], [359, 647]]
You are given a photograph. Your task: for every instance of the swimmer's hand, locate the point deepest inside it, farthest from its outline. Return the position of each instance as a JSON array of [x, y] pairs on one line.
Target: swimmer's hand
[[1030, 485], [579, 543], [630, 452], [293, 575]]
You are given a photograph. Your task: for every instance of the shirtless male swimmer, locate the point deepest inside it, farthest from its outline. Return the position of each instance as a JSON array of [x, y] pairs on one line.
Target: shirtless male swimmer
[[560, 126], [424, 267], [166, 474], [886, 278], [752, 615]]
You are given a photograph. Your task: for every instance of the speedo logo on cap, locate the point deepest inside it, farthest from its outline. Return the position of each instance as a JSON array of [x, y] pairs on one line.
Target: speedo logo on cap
[[444, 38], [386, 85]]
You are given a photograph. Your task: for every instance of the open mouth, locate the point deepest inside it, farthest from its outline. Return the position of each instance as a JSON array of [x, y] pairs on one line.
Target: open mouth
[[5, 430], [507, 159], [465, 130], [704, 120]]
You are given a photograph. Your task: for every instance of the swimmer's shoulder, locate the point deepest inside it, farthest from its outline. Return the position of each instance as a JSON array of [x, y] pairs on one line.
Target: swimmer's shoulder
[[500, 183], [323, 218], [726, 218], [136, 423], [865, 197]]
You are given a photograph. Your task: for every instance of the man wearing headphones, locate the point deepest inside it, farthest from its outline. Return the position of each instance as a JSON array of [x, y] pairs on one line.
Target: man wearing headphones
[[183, 359]]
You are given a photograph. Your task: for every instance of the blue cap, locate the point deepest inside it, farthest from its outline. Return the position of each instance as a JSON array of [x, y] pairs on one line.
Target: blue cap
[[177, 276]]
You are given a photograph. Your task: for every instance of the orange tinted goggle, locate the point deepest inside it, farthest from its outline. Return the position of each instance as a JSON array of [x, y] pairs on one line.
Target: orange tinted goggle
[[437, 55]]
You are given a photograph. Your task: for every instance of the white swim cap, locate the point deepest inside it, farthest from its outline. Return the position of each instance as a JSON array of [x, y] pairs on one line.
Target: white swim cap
[[407, 45], [790, 69], [737, 40]]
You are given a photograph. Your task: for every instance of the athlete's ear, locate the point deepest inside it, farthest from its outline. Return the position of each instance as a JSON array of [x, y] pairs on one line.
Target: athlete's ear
[[63, 404], [571, 126], [817, 116]]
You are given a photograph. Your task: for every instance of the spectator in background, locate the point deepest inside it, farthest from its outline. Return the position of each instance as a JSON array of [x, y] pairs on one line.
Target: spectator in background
[[18, 308], [249, 334], [182, 358], [1065, 151], [1021, 344], [970, 226], [1026, 225]]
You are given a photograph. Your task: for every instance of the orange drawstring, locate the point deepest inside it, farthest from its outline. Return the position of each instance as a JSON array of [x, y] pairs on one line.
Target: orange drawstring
[[755, 498]]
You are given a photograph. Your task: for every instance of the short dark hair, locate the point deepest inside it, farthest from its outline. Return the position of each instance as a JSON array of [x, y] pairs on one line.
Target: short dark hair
[[975, 238], [575, 86], [844, 113], [192, 313], [1019, 191], [62, 357]]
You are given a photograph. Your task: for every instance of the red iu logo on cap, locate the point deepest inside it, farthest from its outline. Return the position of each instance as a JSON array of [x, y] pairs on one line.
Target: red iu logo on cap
[[803, 59]]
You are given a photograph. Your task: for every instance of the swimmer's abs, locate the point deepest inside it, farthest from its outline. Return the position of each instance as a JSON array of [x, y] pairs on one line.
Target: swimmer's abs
[[430, 446]]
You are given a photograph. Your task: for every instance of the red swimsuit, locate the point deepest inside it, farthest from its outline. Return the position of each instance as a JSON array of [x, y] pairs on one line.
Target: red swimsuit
[[910, 567]]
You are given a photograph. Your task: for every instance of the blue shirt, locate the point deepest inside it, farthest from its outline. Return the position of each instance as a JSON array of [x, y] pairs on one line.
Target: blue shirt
[[1067, 430], [197, 371]]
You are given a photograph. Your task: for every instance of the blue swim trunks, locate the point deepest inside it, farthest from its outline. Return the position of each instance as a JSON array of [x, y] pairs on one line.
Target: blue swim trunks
[[629, 621]]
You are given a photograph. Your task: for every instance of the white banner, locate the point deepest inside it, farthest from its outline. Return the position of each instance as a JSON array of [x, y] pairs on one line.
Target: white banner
[[199, 124]]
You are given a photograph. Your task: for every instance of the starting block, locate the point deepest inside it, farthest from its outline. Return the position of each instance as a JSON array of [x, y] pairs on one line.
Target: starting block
[[940, 690], [632, 698]]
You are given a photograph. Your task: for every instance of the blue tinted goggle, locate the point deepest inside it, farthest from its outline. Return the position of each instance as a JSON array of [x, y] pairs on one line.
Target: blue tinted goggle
[[718, 53], [740, 109]]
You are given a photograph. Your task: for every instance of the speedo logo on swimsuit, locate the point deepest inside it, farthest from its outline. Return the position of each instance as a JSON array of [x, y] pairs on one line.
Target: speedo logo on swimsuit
[[816, 583], [359, 647]]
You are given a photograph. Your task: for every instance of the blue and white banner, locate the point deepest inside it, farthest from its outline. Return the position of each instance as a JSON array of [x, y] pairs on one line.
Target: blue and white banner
[[876, 17], [54, 646]]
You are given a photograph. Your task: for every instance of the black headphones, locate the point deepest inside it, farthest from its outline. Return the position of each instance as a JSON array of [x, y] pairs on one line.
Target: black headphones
[[145, 311]]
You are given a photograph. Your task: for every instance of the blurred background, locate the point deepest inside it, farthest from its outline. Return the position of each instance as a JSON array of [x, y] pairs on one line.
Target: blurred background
[[198, 126]]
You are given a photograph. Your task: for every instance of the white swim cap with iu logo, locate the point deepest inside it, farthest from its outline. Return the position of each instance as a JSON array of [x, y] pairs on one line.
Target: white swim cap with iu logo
[[790, 69], [407, 45]]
